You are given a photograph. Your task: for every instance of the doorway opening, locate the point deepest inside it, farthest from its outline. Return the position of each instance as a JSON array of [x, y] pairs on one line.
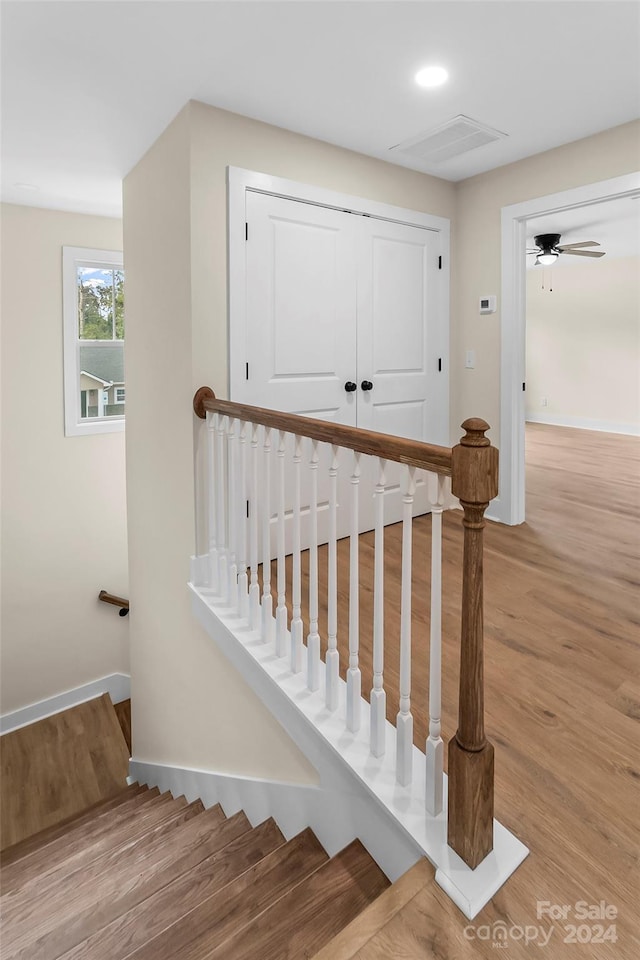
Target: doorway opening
[[509, 507]]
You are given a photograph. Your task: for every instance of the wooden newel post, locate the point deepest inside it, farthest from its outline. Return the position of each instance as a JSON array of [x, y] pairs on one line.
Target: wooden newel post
[[474, 480]]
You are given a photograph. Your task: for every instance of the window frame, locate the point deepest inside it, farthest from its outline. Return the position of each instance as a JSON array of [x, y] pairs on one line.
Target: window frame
[[72, 258]]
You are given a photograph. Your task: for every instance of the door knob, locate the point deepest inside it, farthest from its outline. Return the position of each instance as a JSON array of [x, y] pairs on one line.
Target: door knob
[[366, 385], [350, 386]]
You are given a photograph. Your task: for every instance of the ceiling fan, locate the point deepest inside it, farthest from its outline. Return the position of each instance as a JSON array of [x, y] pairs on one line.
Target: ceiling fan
[[548, 248]]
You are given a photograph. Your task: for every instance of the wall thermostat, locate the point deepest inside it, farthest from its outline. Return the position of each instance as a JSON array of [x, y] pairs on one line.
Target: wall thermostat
[[488, 304]]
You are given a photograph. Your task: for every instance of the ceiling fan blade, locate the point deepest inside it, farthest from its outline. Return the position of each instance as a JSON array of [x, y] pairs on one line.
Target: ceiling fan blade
[[574, 246], [583, 253]]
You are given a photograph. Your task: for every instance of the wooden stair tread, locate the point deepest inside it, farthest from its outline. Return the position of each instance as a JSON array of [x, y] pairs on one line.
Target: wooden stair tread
[[83, 837], [378, 914], [180, 894], [311, 912], [37, 840], [222, 915], [74, 877], [428, 925], [81, 853], [59, 766], [126, 882]]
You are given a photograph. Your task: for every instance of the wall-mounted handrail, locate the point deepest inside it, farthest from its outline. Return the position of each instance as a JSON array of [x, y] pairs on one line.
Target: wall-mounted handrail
[[115, 601], [413, 453]]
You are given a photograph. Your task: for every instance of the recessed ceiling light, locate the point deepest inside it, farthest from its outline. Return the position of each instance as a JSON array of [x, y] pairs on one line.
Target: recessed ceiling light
[[431, 77]]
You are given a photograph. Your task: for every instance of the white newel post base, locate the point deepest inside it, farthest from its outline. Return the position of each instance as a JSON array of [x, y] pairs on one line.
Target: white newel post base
[[313, 661], [404, 748], [281, 631], [267, 619], [243, 596], [354, 693], [232, 587], [332, 676], [433, 799], [213, 569], [378, 717], [254, 606], [199, 571], [296, 646], [223, 574]]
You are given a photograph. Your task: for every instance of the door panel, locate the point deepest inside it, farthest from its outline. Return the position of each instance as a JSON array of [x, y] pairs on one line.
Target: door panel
[[332, 297], [397, 306], [301, 301]]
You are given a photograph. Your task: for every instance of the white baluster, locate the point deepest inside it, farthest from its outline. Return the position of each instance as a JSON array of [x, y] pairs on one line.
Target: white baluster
[[281, 609], [434, 749], [378, 698], [232, 586], [313, 640], [404, 720], [332, 672], [296, 620], [354, 680], [221, 513], [243, 580], [267, 600], [254, 589], [211, 500]]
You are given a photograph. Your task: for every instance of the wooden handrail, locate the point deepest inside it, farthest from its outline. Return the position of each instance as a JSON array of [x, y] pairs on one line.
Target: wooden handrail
[[115, 601], [425, 456]]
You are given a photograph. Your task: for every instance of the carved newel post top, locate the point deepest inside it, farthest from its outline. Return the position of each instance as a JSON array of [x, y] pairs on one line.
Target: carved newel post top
[[202, 394], [474, 464], [475, 429]]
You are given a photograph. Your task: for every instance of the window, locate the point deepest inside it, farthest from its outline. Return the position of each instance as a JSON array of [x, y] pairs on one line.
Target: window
[[93, 308]]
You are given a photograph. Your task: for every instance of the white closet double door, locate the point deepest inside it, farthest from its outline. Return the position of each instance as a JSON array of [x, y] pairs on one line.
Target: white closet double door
[[344, 323]]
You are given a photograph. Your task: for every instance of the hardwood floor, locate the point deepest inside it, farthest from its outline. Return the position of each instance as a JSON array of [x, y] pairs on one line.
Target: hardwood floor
[[562, 690], [59, 766]]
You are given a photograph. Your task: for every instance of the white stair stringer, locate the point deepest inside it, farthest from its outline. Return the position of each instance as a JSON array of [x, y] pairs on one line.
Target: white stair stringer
[[346, 765]]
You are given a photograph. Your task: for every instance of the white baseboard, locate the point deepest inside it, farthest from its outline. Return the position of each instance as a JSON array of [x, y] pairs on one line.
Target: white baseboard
[[118, 686], [584, 423], [337, 815]]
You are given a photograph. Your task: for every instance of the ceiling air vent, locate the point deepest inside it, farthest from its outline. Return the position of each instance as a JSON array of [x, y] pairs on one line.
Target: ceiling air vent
[[449, 140]]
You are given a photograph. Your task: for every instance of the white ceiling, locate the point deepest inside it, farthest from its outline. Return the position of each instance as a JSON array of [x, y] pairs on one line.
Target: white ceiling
[[87, 87], [614, 224]]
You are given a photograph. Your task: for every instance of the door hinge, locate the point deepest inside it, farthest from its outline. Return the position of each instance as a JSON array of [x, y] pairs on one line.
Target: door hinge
[[439, 263], [247, 509], [246, 231], [524, 386], [439, 364], [246, 371]]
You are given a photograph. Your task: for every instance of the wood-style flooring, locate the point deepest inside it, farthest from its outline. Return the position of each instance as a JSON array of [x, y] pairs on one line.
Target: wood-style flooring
[[156, 878], [562, 689], [59, 766]]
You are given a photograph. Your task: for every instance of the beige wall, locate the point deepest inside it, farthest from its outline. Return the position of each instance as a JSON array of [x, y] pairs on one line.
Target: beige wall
[[190, 707], [220, 139], [477, 251], [63, 498], [583, 344]]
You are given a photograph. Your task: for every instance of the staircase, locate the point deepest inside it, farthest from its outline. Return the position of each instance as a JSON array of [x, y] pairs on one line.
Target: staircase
[[144, 875]]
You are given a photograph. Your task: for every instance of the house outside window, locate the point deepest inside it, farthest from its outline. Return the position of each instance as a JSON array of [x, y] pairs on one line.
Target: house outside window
[[93, 308]]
